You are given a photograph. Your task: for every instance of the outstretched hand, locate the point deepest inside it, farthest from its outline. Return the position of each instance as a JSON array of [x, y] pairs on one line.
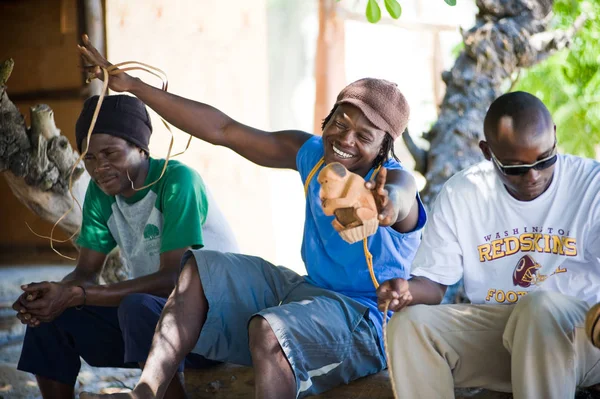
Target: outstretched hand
[[386, 208], [395, 291], [93, 61]]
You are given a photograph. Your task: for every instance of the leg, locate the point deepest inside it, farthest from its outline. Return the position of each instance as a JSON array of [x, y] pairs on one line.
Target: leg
[[139, 315], [217, 294], [176, 334], [52, 389], [176, 389], [454, 345], [272, 371], [316, 340], [551, 355], [52, 350]]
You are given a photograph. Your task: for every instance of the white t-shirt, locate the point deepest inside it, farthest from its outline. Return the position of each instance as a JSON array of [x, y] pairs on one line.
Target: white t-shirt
[[505, 248]]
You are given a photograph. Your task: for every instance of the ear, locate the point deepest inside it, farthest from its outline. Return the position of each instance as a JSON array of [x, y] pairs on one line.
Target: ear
[[485, 149]]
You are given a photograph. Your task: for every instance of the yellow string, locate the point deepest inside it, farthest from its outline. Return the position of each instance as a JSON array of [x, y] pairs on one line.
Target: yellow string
[[111, 70], [369, 259], [312, 174]]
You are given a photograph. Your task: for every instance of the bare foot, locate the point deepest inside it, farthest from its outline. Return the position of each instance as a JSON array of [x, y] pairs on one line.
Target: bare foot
[[121, 395]]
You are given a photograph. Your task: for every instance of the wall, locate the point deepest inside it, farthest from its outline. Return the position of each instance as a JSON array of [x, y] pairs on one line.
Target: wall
[[214, 52], [41, 37], [252, 59]]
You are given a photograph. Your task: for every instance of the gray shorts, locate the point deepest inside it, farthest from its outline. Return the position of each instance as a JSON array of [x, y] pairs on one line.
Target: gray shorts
[[327, 337]]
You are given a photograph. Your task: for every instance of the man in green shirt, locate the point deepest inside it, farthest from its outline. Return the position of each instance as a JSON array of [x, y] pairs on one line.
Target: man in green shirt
[[112, 325]]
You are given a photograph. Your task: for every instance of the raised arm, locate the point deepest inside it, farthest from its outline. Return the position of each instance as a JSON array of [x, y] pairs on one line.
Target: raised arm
[[270, 149]]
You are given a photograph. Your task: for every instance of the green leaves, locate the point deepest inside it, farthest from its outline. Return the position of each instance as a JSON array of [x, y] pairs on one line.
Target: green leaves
[[393, 8], [569, 81], [373, 12]]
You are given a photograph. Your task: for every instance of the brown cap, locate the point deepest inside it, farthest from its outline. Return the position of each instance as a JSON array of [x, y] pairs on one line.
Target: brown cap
[[380, 101]]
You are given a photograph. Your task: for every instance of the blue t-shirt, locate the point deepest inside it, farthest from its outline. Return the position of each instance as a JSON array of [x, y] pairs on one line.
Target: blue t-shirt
[[334, 264]]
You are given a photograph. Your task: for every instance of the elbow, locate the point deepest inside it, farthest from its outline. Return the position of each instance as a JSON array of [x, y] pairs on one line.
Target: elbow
[[404, 212], [224, 132], [405, 197], [436, 291], [441, 293]]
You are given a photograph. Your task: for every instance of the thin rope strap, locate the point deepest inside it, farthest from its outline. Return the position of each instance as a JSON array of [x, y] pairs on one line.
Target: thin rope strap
[[111, 70], [369, 259], [312, 174]]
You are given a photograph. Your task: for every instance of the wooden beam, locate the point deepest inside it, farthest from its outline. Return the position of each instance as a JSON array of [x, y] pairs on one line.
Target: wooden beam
[[439, 88], [330, 65]]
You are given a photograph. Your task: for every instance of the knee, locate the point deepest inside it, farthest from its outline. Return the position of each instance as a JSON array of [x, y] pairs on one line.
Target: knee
[[189, 273], [540, 303], [262, 340], [540, 300], [408, 320], [549, 310], [135, 307]]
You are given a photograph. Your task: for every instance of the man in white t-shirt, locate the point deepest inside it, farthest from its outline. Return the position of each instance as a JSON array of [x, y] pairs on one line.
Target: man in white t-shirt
[[522, 228]]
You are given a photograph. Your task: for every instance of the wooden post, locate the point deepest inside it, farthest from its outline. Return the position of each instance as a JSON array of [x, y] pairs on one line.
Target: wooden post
[[330, 65], [437, 69], [92, 24]]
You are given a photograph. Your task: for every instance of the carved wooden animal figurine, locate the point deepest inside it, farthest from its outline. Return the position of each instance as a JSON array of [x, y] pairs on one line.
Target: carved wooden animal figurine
[[344, 195]]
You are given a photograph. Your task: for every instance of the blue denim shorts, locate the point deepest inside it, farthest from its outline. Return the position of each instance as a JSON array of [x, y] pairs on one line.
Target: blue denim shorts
[[327, 337]]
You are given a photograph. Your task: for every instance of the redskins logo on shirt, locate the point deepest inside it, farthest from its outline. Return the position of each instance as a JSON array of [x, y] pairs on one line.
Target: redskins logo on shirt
[[526, 272]]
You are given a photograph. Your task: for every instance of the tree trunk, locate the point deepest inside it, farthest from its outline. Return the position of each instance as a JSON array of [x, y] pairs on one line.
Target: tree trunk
[[37, 162], [508, 35]]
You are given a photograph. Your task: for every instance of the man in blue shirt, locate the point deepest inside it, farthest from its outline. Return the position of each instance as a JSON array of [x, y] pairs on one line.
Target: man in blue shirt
[[303, 335]]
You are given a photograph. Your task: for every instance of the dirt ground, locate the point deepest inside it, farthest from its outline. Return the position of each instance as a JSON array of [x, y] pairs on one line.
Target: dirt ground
[[18, 385]]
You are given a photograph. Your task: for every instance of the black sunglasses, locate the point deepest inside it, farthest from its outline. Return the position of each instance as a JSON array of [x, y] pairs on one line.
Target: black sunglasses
[[519, 170]]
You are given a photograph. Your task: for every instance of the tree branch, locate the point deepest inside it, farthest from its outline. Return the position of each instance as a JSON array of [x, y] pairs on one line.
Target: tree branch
[[418, 153], [5, 70], [37, 162], [547, 43]]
